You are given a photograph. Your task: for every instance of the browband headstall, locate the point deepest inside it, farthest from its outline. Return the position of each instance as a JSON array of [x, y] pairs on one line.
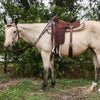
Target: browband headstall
[[9, 25]]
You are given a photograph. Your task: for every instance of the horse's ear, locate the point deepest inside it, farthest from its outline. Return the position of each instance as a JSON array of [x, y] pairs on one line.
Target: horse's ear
[[5, 21], [16, 21]]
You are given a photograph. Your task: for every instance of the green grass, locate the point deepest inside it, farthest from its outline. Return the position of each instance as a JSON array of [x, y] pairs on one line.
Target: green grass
[[28, 90], [18, 91]]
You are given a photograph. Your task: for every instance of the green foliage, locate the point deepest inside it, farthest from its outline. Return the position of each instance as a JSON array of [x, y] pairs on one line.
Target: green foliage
[[92, 10], [27, 62], [81, 64], [18, 91], [1, 43]]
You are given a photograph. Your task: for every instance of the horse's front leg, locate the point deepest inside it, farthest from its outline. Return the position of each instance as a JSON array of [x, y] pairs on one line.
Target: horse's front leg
[[46, 64], [52, 74]]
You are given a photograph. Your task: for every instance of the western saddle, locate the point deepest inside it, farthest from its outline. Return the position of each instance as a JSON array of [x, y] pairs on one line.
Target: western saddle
[[59, 28]]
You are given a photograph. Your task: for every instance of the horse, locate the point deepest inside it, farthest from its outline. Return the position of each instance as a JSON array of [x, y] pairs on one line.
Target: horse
[[89, 37]]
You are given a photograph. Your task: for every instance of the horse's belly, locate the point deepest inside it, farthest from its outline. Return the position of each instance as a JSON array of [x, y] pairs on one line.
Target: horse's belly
[[76, 50], [79, 44]]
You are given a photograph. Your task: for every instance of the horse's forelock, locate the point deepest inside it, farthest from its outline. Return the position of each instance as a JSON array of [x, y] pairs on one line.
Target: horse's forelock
[[10, 25]]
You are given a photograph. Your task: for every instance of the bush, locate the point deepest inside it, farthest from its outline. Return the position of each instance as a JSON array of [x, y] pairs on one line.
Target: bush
[[27, 62]]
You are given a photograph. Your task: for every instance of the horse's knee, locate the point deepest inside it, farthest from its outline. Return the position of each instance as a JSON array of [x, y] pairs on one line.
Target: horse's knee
[[46, 71], [52, 76], [45, 77]]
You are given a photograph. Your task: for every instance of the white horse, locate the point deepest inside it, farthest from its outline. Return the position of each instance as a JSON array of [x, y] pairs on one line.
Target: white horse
[[82, 40]]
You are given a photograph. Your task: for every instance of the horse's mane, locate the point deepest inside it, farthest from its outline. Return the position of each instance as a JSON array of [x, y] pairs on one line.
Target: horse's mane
[[28, 26]]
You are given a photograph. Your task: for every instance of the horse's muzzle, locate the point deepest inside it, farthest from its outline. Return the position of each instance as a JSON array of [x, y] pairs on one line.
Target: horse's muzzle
[[7, 47]]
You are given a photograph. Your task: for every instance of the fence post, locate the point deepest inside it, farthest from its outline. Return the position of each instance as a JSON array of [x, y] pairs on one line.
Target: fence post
[[5, 62]]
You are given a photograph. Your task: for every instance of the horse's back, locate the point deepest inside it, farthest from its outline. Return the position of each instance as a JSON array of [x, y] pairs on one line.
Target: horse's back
[[93, 26]]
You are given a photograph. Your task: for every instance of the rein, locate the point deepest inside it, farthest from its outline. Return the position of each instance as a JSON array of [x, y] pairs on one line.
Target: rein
[[17, 32], [44, 30], [42, 33]]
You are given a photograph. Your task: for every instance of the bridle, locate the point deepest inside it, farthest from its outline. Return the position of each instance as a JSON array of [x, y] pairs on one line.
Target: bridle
[[42, 33], [17, 32]]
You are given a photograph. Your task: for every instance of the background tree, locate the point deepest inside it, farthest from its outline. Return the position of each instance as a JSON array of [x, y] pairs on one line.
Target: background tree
[[92, 10], [27, 61]]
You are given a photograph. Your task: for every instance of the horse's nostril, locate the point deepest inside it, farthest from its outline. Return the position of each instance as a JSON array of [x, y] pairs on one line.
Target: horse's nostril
[[8, 46]]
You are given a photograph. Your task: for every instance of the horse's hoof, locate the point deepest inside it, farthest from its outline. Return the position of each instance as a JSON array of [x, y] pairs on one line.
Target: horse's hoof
[[41, 90], [89, 90]]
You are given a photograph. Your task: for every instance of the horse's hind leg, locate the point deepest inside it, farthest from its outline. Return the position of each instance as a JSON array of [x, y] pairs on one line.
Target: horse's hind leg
[[52, 73], [97, 67]]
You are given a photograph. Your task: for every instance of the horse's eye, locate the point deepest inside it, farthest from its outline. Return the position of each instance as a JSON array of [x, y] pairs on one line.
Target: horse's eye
[[14, 31]]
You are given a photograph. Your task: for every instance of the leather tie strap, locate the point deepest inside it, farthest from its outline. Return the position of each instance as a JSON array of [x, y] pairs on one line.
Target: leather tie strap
[[70, 44]]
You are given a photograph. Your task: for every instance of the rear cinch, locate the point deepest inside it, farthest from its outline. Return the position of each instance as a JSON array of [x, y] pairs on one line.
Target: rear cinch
[[70, 45]]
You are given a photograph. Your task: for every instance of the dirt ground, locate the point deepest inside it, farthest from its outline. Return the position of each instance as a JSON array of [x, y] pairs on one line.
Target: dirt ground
[[72, 93], [6, 83]]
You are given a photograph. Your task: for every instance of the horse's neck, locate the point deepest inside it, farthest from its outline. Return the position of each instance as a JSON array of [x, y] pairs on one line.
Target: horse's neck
[[30, 32]]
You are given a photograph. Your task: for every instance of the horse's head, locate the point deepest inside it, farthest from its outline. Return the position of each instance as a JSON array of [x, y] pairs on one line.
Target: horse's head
[[11, 34]]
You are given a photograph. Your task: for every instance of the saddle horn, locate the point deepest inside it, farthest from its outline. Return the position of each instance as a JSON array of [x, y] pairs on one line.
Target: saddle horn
[[16, 21], [5, 21], [73, 19]]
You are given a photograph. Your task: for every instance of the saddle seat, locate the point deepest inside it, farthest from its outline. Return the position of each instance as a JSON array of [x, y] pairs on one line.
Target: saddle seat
[[66, 25], [61, 27]]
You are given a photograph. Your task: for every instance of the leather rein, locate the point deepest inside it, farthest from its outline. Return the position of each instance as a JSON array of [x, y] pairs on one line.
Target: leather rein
[[44, 30]]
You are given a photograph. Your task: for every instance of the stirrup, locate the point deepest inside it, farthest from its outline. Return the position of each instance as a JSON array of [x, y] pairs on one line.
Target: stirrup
[[56, 52], [53, 50]]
